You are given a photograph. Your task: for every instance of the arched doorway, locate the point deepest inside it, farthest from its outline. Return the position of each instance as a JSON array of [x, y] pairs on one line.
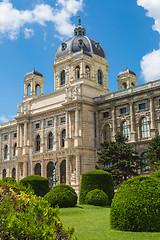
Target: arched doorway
[[4, 173], [14, 173], [37, 169], [63, 172]]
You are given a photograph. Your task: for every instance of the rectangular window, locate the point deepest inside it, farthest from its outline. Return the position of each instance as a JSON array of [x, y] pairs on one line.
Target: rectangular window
[[50, 123], [15, 135], [37, 125], [105, 114], [142, 106], [6, 137], [63, 119], [123, 110]]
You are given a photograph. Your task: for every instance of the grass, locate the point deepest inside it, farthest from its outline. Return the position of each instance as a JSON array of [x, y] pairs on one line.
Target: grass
[[92, 223]]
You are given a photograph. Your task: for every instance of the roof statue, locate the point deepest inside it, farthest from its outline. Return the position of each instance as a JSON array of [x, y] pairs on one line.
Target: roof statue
[[79, 20]]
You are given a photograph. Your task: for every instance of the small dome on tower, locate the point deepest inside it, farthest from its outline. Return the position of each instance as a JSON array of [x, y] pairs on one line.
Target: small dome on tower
[[126, 72], [34, 72]]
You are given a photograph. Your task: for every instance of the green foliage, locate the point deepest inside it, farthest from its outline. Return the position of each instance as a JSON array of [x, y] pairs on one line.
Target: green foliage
[[26, 216], [39, 184], [153, 153], [8, 179], [96, 179], [97, 197], [62, 195], [120, 159], [136, 205], [155, 174]]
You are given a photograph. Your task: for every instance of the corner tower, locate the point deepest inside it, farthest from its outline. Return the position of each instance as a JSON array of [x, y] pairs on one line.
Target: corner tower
[[33, 85], [126, 79], [81, 61]]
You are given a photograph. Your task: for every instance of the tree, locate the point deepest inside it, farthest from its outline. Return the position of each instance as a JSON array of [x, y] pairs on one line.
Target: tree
[[119, 158], [153, 154]]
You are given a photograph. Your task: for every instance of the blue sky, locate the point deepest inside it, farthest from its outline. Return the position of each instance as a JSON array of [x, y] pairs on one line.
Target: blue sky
[[32, 30]]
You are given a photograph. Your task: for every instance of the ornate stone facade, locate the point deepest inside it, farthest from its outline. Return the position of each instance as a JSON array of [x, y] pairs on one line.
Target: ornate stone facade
[[68, 125]]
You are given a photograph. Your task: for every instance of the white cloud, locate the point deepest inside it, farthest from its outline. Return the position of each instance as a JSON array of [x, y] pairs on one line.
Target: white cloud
[[28, 32], [12, 19], [150, 62], [3, 119]]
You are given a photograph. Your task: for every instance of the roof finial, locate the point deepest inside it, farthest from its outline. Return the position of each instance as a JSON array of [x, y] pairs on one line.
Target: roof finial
[[126, 68], [79, 20]]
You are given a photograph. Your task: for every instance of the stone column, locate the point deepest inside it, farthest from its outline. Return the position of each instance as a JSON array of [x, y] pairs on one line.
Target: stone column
[[78, 170], [76, 122], [42, 137], [25, 134], [17, 171], [152, 127], [25, 169], [114, 124], [18, 138], [9, 147], [133, 133], [55, 134], [67, 170]]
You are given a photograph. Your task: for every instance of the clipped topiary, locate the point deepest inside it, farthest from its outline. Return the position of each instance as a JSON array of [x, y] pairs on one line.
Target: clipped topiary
[[97, 197], [8, 179], [62, 195], [155, 174], [39, 184], [136, 205], [96, 179]]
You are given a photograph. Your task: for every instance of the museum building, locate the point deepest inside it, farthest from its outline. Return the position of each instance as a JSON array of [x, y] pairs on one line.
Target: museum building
[[68, 125]]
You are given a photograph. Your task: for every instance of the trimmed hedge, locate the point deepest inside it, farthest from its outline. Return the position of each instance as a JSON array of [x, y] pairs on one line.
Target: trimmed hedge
[[97, 197], [96, 179], [39, 184], [155, 174], [8, 180], [136, 205], [62, 195]]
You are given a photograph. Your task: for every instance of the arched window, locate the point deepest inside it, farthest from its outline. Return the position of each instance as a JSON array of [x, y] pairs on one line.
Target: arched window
[[107, 133], [14, 173], [63, 137], [87, 72], [124, 86], [144, 128], [132, 84], [38, 90], [50, 168], [144, 159], [6, 152], [125, 129], [77, 72], [63, 172], [29, 90], [63, 77], [38, 141], [4, 173], [37, 169], [15, 149], [100, 77], [50, 140]]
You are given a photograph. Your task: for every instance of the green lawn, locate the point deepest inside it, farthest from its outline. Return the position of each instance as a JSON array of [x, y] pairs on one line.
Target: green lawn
[[92, 223]]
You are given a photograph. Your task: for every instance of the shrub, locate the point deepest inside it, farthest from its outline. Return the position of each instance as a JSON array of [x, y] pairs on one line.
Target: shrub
[[39, 184], [62, 195], [96, 179], [25, 216], [155, 174], [97, 197], [136, 205], [8, 179]]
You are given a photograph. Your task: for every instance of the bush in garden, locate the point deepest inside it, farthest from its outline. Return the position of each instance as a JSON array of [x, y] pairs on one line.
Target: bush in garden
[[97, 197], [155, 174], [39, 184], [26, 216], [8, 179], [136, 205], [62, 195], [96, 179]]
